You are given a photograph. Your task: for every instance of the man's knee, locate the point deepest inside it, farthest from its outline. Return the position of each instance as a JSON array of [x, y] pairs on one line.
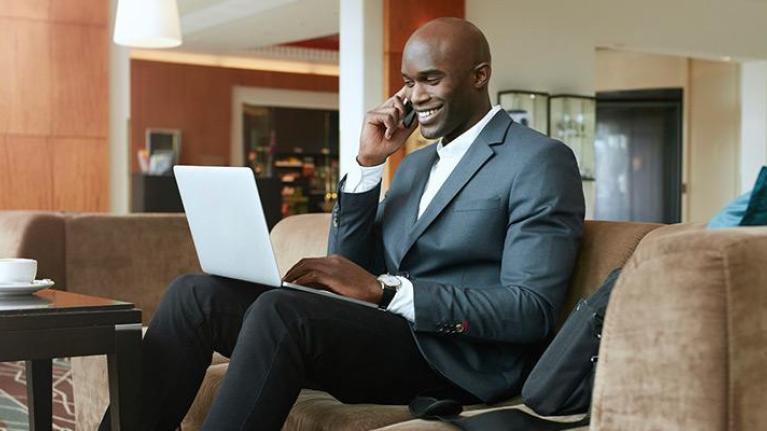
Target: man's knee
[[286, 305], [188, 290]]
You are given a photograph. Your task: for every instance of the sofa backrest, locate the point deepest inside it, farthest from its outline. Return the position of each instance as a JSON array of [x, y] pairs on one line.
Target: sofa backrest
[[300, 236], [130, 258], [684, 345], [134, 257], [605, 245]]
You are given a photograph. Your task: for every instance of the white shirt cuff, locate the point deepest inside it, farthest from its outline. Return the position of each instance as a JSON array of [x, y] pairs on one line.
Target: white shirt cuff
[[402, 303], [363, 178]]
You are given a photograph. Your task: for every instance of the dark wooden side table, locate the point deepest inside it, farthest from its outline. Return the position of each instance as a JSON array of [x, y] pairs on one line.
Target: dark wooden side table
[[55, 324]]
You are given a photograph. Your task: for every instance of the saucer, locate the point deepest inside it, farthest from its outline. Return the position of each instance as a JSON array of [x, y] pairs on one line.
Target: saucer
[[7, 289]]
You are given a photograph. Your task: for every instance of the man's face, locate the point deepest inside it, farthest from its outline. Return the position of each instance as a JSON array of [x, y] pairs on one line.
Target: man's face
[[440, 89]]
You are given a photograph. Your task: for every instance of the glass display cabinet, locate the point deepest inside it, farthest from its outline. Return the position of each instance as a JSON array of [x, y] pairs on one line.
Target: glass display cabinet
[[529, 108], [573, 121]]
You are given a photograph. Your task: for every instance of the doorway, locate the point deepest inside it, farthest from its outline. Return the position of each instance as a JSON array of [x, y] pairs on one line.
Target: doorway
[[639, 155]]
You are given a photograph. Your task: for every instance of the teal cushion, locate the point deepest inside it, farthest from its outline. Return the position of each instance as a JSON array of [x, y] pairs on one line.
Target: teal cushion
[[756, 213], [748, 209]]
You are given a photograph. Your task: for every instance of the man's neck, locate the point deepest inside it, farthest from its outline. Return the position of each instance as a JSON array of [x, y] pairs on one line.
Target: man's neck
[[478, 115]]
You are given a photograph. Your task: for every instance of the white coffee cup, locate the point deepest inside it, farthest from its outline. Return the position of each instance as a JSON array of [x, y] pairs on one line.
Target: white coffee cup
[[14, 270]]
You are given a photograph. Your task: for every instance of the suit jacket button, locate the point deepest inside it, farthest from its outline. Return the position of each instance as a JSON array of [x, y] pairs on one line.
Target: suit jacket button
[[459, 327]]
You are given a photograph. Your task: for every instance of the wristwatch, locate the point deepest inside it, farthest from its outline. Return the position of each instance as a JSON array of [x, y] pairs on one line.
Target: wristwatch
[[389, 284]]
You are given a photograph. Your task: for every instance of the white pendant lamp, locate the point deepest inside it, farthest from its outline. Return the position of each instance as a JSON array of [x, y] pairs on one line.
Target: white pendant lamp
[[147, 24]]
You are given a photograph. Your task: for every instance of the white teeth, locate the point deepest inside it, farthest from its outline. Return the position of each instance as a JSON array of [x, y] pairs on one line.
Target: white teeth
[[423, 115]]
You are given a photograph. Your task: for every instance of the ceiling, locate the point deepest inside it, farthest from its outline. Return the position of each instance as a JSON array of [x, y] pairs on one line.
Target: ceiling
[[246, 27]]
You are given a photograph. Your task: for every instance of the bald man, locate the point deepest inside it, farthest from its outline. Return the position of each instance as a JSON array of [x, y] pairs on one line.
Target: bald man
[[467, 257]]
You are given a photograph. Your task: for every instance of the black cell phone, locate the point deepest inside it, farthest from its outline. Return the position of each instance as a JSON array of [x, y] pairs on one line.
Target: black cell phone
[[409, 117]]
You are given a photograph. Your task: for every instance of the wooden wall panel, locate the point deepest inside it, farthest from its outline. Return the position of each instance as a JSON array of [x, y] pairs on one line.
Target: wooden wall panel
[[81, 183], [401, 19], [24, 77], [26, 173], [54, 112], [197, 100], [32, 9], [80, 99], [80, 11]]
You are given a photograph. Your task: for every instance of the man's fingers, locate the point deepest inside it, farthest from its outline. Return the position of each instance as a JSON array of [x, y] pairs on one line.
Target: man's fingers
[[311, 279], [387, 117], [300, 268], [402, 92], [399, 105]]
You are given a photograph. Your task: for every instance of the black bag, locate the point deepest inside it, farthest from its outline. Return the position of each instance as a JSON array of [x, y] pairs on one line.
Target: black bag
[[560, 383], [563, 379]]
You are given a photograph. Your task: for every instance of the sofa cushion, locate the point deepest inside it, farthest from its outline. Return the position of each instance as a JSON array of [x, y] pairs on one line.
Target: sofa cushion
[[684, 343], [424, 425], [748, 209]]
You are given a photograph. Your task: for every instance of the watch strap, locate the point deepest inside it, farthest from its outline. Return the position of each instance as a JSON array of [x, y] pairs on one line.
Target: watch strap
[[387, 296]]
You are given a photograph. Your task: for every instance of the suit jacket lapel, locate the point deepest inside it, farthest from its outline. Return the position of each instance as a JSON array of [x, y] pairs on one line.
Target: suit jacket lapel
[[409, 211], [421, 171], [476, 156]]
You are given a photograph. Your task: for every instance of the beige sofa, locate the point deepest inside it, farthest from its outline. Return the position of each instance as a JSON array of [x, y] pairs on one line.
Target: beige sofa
[[685, 338]]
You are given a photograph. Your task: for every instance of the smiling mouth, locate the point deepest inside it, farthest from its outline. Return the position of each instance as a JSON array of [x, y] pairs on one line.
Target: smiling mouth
[[428, 114]]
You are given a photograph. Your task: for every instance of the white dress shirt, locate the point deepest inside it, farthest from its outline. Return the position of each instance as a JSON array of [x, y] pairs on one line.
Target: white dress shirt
[[365, 178]]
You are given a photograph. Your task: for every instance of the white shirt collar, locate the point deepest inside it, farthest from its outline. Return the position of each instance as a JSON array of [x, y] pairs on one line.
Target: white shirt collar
[[458, 146]]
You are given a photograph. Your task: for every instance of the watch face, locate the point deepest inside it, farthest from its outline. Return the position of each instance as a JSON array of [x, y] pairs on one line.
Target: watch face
[[390, 280]]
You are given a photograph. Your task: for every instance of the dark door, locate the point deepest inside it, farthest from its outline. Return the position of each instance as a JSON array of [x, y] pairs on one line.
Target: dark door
[[639, 155]]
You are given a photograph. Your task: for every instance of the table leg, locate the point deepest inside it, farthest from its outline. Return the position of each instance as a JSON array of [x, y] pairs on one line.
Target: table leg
[[125, 378], [40, 394]]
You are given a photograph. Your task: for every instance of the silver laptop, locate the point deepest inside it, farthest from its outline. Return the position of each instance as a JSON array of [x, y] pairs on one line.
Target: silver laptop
[[229, 228]]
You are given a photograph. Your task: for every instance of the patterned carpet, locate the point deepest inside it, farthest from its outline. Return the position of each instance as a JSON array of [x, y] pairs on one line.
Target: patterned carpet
[[13, 397]]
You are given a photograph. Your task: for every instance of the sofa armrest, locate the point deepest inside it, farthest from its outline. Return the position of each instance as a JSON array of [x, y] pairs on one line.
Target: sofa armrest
[[130, 258], [685, 336], [35, 235]]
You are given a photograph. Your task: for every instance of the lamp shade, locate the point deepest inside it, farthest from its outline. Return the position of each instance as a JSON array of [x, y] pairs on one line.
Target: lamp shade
[[147, 24]]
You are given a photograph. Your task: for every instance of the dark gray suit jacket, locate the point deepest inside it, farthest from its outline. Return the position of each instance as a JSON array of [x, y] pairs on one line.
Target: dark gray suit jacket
[[490, 258]]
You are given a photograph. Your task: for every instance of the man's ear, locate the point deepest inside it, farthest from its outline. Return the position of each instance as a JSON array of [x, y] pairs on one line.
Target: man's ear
[[482, 73]]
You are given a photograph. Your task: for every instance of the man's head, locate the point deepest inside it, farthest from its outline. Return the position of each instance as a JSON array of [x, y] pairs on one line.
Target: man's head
[[446, 65]]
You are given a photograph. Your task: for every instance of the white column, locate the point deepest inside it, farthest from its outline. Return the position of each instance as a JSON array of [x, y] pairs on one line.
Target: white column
[[753, 121], [361, 71], [119, 114]]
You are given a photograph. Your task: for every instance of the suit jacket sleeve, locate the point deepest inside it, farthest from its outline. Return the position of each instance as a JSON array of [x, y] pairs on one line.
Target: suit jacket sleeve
[[355, 228], [545, 221]]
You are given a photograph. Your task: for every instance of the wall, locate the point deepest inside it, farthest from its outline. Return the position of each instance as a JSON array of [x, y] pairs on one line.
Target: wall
[[714, 137], [753, 96], [54, 105], [197, 100], [551, 46], [711, 118], [627, 70]]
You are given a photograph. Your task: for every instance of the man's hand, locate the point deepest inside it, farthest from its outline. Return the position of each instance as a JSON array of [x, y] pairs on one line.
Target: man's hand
[[383, 132], [336, 274]]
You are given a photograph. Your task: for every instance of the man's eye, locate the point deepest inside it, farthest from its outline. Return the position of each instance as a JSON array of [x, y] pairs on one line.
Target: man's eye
[[432, 81], [409, 83]]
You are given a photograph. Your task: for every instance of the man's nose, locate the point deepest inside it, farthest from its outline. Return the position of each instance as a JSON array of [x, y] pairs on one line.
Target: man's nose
[[419, 95]]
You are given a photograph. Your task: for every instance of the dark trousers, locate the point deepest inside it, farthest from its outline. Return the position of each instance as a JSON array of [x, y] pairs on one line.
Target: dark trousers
[[278, 341]]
